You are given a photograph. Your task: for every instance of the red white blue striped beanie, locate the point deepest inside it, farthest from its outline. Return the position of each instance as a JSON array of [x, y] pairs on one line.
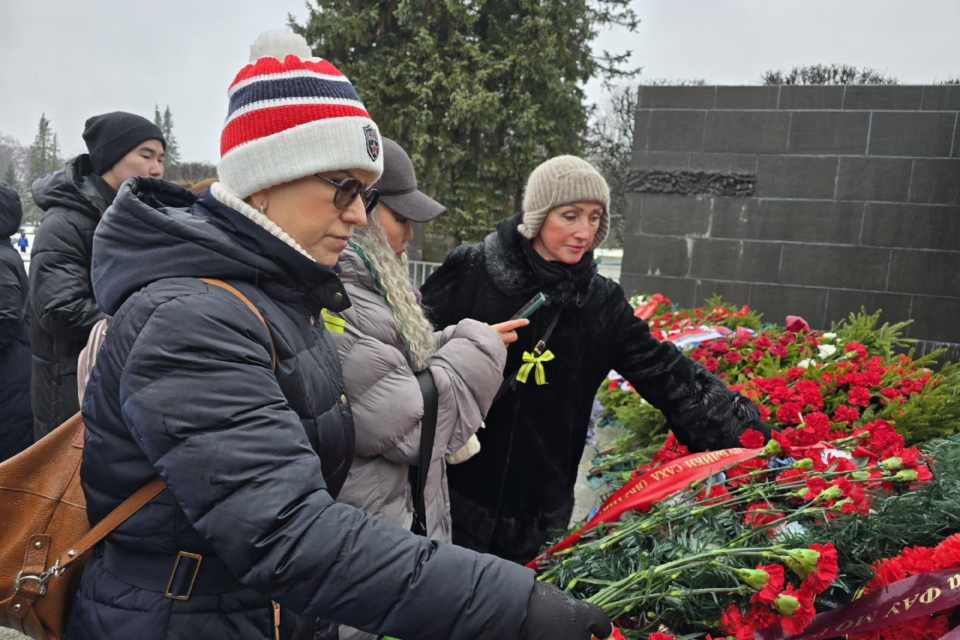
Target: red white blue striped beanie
[[292, 115]]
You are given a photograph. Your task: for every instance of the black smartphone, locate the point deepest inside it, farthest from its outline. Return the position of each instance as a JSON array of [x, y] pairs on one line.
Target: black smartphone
[[527, 310]]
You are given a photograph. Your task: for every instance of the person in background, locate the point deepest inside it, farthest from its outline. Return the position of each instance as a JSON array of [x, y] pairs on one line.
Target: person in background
[[22, 242], [63, 309], [519, 491], [16, 418], [242, 411]]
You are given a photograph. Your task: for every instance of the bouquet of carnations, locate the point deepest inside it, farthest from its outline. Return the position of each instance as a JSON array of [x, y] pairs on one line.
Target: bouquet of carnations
[[754, 542]]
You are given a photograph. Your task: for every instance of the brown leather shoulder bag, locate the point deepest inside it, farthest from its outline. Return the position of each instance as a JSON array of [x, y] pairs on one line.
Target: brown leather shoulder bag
[[44, 531]]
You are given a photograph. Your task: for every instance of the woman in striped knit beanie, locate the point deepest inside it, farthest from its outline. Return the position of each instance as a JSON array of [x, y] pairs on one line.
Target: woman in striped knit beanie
[[218, 377]]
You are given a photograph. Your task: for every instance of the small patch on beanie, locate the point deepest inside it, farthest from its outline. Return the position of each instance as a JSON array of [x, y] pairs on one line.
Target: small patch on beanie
[[373, 142]]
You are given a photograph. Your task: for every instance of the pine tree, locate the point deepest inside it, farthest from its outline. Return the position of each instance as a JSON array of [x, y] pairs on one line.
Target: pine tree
[[43, 152], [44, 158], [172, 155], [157, 118], [54, 157], [10, 176], [478, 94]]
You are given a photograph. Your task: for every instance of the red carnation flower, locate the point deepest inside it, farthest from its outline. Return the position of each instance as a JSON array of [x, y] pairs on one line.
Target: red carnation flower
[[752, 439], [795, 373], [714, 494], [859, 348], [893, 394], [826, 570], [783, 439], [760, 514], [884, 572], [774, 584], [789, 413], [947, 554], [760, 616], [859, 396], [843, 413], [779, 350], [917, 560], [762, 342], [711, 364], [741, 473], [815, 485], [732, 357], [717, 346], [796, 605], [817, 425], [881, 438], [755, 356], [656, 635], [733, 624], [779, 395]]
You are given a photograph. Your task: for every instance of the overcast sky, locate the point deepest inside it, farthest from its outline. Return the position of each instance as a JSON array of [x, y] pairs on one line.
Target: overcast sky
[[75, 58]]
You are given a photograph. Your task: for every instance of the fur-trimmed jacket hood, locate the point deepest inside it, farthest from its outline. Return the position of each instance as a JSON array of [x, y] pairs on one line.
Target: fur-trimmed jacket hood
[[518, 491]]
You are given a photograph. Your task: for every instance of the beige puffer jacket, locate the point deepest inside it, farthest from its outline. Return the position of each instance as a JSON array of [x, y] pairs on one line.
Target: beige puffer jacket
[[387, 403]]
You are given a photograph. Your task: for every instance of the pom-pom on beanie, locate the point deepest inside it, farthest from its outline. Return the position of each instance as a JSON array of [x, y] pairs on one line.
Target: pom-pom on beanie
[[559, 181], [292, 115]]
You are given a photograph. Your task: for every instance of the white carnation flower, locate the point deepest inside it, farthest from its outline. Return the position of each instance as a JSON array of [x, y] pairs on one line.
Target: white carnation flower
[[826, 350]]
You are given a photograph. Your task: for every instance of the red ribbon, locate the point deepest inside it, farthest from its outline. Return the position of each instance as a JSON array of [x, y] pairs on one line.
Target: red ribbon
[[921, 595], [640, 492]]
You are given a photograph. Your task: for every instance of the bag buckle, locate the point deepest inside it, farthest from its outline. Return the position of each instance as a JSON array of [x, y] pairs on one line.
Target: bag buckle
[[53, 572], [540, 347], [173, 574]]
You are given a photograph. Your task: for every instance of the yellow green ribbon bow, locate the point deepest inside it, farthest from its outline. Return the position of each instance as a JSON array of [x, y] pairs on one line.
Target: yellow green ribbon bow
[[532, 361], [334, 324]]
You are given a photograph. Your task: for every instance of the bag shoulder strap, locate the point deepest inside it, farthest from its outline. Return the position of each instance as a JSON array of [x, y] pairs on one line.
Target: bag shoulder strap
[[113, 520], [223, 285], [153, 488], [428, 433]]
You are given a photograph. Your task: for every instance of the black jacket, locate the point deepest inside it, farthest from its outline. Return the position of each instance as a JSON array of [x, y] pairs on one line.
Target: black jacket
[[518, 490], [63, 309], [16, 420], [252, 458]]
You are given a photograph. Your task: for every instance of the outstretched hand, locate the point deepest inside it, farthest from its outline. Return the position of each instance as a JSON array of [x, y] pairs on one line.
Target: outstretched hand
[[553, 615]]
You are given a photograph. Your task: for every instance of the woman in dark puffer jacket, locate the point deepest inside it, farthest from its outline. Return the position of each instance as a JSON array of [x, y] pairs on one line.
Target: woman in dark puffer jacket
[[518, 491], [253, 456]]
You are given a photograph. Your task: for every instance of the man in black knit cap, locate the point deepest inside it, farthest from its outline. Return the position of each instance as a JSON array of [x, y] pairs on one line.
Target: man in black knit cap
[[63, 310]]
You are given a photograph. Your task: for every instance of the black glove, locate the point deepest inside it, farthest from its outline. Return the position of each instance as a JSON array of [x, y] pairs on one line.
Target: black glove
[[763, 428], [553, 615]]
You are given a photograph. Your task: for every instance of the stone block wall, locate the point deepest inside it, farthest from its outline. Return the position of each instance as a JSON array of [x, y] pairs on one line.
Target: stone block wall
[[807, 200]]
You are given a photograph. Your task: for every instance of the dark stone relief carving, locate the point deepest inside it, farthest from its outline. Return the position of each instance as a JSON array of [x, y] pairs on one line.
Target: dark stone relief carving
[[692, 183]]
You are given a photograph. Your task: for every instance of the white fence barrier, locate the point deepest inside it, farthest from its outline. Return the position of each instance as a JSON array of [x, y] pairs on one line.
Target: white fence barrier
[[420, 271]]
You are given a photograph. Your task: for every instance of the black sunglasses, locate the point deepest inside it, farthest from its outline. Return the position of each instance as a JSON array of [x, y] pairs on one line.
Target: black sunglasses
[[347, 191]]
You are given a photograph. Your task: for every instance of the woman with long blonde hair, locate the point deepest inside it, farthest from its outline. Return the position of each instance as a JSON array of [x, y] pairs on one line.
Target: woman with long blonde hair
[[385, 339]]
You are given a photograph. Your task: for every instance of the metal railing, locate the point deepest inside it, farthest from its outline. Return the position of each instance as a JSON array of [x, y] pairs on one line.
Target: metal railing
[[420, 271]]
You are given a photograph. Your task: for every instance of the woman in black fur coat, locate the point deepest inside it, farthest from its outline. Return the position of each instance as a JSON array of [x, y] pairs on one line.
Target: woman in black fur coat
[[518, 491]]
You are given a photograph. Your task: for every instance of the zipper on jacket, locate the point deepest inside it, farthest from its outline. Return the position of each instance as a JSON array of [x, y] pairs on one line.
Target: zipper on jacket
[[276, 619]]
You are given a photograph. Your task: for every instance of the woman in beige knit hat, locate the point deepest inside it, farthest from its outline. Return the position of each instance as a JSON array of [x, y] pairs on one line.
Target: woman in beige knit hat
[[517, 493]]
